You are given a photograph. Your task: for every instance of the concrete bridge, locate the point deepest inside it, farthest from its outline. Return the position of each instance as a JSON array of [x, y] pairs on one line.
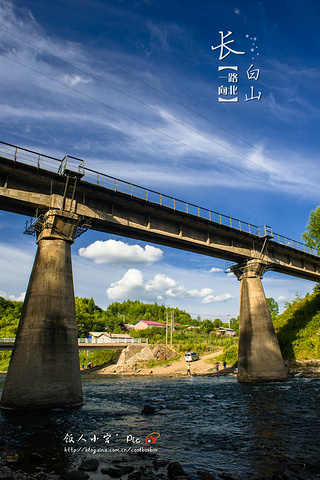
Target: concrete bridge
[[64, 199], [7, 343], [115, 345]]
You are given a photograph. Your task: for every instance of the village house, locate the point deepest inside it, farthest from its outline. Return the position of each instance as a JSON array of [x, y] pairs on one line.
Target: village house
[[143, 324], [227, 332], [104, 337]]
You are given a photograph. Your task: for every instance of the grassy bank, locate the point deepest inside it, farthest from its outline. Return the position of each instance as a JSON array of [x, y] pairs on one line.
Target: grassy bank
[[298, 328], [99, 358]]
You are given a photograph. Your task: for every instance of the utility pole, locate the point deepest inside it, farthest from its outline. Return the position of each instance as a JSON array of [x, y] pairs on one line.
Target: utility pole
[[167, 321], [172, 324]]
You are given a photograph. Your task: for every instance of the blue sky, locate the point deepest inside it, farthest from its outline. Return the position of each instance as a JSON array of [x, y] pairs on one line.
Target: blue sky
[[133, 88]]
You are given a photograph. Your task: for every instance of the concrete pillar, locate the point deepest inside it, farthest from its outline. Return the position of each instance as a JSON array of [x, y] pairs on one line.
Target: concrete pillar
[[259, 357], [44, 368], [118, 354]]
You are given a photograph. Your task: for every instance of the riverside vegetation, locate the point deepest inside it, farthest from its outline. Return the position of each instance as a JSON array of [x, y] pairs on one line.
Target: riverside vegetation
[[297, 328]]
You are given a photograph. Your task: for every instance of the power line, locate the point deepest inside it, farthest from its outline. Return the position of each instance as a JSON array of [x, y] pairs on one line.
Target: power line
[[154, 129], [166, 96], [152, 108], [215, 316]]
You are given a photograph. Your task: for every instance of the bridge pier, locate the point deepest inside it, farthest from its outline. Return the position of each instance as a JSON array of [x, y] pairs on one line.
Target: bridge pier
[[44, 368], [259, 356]]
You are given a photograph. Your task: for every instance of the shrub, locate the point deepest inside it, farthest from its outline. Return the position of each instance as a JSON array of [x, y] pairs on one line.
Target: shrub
[[229, 355], [97, 357]]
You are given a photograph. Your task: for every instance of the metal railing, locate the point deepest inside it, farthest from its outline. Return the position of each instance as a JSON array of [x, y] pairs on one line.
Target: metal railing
[[11, 340], [7, 339], [109, 341], [18, 154]]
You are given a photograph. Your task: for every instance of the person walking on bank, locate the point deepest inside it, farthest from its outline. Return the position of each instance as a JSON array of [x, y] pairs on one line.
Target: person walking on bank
[[188, 371]]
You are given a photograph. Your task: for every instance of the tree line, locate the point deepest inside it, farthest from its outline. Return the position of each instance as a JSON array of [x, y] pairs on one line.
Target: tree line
[[91, 318]]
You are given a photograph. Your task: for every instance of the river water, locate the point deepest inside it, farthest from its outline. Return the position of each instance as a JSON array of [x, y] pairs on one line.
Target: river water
[[206, 423]]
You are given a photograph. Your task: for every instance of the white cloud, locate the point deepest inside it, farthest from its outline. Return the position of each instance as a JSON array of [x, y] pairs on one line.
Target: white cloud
[[180, 291], [282, 299], [160, 282], [218, 298], [129, 285], [12, 297], [134, 285], [120, 253], [73, 80], [215, 270]]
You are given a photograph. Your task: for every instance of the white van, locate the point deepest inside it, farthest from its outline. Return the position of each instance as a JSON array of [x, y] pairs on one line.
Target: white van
[[191, 356]]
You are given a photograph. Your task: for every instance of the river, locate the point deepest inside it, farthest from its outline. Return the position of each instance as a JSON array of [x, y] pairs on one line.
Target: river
[[206, 423]]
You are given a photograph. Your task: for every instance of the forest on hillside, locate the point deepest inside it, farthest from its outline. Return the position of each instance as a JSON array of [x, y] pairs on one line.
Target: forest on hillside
[[298, 327]]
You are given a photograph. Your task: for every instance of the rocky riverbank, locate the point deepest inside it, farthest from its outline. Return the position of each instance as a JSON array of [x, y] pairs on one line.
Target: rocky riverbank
[[303, 368], [164, 361], [148, 362], [146, 466]]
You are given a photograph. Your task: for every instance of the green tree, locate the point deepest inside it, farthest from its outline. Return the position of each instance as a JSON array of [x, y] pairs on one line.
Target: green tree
[[297, 299], [90, 317], [234, 323], [10, 312], [216, 322], [273, 308], [207, 326], [312, 235]]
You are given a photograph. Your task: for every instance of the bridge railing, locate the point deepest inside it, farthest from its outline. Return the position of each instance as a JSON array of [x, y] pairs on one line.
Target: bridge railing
[[109, 341], [288, 242], [28, 157], [88, 341], [102, 180], [112, 183]]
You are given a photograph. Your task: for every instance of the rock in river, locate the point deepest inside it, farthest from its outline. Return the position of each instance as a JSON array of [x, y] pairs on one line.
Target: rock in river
[[89, 465]]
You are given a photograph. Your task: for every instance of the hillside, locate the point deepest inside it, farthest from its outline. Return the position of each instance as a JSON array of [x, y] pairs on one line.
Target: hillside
[[298, 328]]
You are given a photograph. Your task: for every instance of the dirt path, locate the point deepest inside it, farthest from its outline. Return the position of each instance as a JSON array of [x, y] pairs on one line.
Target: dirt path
[[173, 368]]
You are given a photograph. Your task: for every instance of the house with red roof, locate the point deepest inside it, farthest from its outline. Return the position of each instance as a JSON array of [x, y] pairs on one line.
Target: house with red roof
[[143, 324]]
